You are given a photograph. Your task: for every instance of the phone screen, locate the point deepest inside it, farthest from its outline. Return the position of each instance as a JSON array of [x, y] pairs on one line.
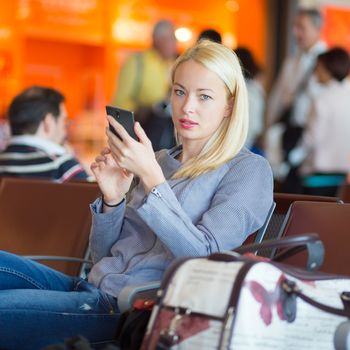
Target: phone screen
[[125, 118]]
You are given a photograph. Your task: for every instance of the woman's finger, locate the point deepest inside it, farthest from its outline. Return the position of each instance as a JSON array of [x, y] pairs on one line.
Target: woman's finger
[[110, 160], [120, 130], [112, 137], [100, 158], [115, 150], [95, 168], [105, 151], [143, 138]]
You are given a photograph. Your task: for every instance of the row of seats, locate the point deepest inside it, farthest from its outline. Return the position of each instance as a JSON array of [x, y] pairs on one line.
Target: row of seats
[[43, 218], [40, 217], [344, 192], [300, 214], [293, 214]]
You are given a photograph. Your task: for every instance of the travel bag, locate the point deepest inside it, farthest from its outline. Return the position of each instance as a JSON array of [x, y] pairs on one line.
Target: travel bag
[[230, 301]]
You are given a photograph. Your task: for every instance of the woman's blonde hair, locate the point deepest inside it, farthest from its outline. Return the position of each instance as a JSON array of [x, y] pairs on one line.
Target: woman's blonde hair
[[230, 137]]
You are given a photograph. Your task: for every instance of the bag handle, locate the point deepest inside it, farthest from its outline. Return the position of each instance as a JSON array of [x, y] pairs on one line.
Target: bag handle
[[291, 289], [294, 245]]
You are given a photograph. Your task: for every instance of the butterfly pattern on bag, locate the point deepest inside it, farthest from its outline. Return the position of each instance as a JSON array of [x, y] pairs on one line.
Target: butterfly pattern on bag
[[268, 299]]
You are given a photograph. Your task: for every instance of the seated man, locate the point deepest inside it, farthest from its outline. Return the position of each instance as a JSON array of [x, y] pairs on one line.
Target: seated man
[[37, 121]]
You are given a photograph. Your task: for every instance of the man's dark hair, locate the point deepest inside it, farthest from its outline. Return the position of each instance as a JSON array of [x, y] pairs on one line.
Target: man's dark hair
[[337, 62], [210, 34], [249, 66], [314, 15], [28, 109]]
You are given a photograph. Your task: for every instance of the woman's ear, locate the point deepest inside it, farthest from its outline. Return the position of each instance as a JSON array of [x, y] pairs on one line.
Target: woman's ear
[[229, 107]]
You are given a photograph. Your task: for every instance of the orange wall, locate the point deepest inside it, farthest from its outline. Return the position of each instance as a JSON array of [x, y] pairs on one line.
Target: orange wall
[[336, 31], [72, 45], [77, 46], [70, 67], [251, 27]]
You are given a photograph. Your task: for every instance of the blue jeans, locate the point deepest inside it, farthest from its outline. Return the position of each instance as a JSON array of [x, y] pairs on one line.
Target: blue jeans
[[41, 306]]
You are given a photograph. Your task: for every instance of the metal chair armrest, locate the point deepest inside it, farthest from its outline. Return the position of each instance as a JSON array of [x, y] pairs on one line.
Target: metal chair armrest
[[130, 293]]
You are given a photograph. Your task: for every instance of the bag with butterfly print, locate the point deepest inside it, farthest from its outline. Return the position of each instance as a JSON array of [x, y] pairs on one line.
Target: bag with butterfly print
[[230, 301]]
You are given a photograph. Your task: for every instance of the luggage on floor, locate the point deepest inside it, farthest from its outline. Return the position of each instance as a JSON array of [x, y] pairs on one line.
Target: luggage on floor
[[228, 301]]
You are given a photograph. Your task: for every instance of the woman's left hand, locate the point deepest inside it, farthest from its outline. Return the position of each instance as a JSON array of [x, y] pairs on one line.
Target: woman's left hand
[[136, 157]]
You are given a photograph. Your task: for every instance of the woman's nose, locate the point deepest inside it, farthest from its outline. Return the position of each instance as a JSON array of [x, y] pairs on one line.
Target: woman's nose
[[189, 105]]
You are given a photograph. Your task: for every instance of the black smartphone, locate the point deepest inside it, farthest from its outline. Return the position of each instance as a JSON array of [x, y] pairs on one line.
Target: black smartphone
[[125, 118]]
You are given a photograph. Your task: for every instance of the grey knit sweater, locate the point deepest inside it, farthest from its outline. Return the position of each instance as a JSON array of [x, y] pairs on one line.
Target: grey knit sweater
[[213, 212]]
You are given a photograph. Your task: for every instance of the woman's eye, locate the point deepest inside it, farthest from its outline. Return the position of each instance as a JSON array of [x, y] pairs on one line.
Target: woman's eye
[[179, 92], [205, 97]]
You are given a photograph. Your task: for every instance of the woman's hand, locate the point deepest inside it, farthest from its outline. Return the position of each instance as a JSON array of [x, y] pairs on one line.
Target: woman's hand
[[114, 182], [135, 157]]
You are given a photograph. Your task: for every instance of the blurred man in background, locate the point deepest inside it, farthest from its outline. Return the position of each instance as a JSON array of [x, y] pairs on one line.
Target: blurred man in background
[[37, 119], [296, 79], [144, 86], [144, 79], [289, 100]]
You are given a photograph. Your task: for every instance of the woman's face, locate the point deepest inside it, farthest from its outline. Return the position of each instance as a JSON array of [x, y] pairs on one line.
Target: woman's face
[[199, 102]]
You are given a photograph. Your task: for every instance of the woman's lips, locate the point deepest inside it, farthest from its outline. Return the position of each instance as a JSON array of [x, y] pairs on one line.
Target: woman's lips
[[187, 123]]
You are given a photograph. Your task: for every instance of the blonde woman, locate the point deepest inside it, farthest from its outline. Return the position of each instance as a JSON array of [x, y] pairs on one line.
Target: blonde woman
[[203, 196]]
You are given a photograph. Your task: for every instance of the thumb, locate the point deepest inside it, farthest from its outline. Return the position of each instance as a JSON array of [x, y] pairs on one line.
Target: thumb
[[141, 134]]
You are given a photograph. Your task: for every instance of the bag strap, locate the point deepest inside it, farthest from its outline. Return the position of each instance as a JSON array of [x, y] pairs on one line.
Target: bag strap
[[291, 288], [226, 330]]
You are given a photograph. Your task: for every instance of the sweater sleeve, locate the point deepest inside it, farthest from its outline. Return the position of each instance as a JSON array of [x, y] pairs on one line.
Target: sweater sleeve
[[238, 208], [105, 229]]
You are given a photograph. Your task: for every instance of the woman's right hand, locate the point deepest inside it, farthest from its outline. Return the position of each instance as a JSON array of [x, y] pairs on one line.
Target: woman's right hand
[[114, 182]]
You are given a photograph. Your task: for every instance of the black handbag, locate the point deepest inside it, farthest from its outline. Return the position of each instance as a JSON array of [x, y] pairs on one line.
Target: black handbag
[[132, 325]]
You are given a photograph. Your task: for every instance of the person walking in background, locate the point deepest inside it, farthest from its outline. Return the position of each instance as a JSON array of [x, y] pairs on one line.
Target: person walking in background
[[37, 118], [256, 98], [167, 214], [144, 79], [144, 86], [297, 70], [289, 100], [326, 141]]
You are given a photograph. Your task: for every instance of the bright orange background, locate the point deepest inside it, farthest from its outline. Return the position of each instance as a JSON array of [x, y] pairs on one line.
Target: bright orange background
[[78, 46], [336, 30], [73, 46]]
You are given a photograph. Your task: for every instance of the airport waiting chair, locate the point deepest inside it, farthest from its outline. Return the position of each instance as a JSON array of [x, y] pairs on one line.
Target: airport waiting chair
[[50, 222], [149, 290], [278, 212], [47, 221], [259, 235], [331, 222], [283, 202], [344, 192]]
